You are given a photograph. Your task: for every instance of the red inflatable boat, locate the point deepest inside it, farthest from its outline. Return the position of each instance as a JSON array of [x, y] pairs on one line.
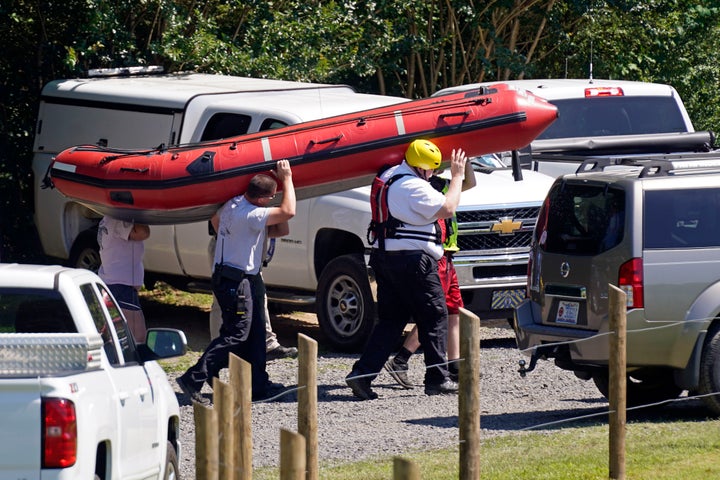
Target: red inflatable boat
[[187, 183]]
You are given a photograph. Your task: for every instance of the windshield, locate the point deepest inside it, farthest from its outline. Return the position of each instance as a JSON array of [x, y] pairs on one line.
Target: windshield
[[602, 116], [583, 219]]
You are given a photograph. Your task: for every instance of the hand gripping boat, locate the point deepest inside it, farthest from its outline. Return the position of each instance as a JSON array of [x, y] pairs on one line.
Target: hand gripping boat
[[187, 183]]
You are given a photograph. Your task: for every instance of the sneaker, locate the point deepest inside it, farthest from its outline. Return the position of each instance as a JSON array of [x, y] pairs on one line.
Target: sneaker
[[454, 373], [194, 395], [399, 372], [360, 386], [281, 352], [446, 387]]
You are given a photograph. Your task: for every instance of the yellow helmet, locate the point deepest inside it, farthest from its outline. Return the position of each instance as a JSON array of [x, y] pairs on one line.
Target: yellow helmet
[[423, 154]]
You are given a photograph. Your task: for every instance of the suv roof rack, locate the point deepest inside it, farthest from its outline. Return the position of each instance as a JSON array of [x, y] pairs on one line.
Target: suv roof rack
[[650, 166], [655, 165]]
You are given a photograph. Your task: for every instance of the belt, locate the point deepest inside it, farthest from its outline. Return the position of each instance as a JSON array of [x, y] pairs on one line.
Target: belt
[[393, 253]]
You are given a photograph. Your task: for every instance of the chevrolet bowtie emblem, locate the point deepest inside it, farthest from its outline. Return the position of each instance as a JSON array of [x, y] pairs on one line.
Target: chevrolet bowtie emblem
[[506, 226]]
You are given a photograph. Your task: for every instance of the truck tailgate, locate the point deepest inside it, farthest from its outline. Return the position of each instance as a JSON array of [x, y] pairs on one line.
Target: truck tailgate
[[20, 428]]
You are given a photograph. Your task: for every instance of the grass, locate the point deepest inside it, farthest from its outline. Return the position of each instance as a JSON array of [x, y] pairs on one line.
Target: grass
[[167, 295], [655, 451]]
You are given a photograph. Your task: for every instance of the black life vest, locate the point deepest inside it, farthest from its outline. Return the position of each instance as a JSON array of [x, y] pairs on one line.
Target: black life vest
[[383, 225]]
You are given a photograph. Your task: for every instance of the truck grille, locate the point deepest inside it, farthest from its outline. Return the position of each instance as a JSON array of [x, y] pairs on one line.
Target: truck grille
[[496, 229]]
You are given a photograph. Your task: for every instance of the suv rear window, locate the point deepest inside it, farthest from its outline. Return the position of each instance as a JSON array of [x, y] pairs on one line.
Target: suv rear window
[[602, 116], [686, 218], [584, 219]]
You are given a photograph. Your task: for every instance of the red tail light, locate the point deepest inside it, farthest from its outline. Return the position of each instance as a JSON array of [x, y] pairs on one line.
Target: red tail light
[[604, 92], [630, 280], [59, 433]]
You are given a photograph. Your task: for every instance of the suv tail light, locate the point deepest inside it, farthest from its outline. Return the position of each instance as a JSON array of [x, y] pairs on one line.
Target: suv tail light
[[630, 280], [59, 433]]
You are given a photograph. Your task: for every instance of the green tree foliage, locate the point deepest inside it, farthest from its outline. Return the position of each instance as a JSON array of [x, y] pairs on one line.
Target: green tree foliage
[[402, 47], [665, 41]]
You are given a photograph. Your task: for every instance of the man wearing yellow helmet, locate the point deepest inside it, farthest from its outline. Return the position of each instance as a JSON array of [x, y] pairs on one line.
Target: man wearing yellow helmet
[[397, 366], [405, 263]]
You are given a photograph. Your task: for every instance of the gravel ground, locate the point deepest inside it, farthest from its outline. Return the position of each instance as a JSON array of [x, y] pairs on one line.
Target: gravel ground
[[401, 421]]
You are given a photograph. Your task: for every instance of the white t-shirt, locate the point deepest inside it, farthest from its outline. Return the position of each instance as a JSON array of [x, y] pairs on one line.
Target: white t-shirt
[[413, 201], [121, 259], [241, 235]]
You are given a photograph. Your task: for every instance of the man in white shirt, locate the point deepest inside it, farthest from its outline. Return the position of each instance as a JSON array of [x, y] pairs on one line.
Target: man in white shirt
[[121, 267], [405, 262], [242, 225]]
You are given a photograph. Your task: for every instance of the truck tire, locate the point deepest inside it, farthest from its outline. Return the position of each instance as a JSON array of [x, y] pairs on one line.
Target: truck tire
[[709, 380], [345, 304], [643, 387], [172, 471], [85, 252]]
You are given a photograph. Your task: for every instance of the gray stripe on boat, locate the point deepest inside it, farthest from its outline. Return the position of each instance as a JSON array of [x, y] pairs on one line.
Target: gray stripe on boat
[[399, 123], [267, 154]]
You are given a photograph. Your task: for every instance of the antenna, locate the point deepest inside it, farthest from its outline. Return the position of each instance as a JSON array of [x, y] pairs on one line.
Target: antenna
[[591, 61]]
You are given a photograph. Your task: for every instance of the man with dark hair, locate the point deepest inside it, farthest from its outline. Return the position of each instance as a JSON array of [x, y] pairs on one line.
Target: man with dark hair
[[242, 225]]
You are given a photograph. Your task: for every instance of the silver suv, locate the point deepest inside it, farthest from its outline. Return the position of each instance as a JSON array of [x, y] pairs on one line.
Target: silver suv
[[651, 228]]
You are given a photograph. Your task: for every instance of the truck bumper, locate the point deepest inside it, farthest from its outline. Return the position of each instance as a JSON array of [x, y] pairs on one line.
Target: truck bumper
[[492, 285]]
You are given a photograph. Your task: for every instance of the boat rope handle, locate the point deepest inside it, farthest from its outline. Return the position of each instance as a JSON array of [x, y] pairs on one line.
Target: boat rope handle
[[455, 114], [327, 140], [134, 170]]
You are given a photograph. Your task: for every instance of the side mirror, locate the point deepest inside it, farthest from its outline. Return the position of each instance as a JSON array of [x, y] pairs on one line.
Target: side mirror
[[164, 343]]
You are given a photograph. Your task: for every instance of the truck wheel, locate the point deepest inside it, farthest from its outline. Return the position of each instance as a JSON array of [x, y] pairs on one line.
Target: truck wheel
[[172, 471], [709, 381], [345, 305], [643, 387], [85, 252]]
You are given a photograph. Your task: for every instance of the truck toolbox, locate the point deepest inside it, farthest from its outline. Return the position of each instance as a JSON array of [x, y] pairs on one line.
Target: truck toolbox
[[39, 354]]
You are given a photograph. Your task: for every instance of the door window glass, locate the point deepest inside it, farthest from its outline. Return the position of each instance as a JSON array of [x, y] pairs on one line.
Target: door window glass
[[685, 218], [225, 125]]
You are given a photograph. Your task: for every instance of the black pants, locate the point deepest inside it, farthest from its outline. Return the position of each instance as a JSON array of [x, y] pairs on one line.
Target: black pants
[[251, 349], [408, 287]]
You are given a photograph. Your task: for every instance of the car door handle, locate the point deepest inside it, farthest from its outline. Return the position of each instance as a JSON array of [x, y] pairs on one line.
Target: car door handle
[[141, 392]]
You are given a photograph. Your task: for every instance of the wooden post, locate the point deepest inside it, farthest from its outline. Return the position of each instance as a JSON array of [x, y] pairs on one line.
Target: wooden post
[[206, 442], [404, 469], [308, 402], [292, 455], [617, 365], [227, 438], [469, 396], [241, 385]]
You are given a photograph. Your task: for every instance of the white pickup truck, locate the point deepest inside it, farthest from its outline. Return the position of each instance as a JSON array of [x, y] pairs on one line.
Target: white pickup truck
[[322, 264], [605, 117], [78, 397]]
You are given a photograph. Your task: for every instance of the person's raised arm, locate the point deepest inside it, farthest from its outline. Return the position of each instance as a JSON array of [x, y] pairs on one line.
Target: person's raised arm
[[279, 230], [286, 210], [452, 196], [469, 180], [139, 232]]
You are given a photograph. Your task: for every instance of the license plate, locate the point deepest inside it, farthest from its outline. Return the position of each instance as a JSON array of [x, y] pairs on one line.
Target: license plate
[[567, 312], [507, 299]]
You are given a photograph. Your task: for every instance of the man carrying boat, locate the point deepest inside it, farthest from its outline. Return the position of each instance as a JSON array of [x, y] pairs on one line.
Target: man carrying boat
[[242, 225], [405, 261], [397, 366]]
